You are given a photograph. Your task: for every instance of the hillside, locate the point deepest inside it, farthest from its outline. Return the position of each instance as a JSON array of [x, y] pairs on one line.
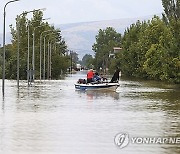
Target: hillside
[[81, 36]]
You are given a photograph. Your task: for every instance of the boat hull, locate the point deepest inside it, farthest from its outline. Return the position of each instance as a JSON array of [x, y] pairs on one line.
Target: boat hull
[[100, 86]]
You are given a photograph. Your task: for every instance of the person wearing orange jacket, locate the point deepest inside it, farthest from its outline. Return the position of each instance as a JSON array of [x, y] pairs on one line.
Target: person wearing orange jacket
[[90, 75]]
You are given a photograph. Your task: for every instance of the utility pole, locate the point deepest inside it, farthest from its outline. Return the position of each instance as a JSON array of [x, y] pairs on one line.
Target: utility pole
[[4, 50], [48, 60]]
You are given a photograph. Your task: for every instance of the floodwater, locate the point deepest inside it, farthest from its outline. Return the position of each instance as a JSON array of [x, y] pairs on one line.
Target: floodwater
[[52, 117]]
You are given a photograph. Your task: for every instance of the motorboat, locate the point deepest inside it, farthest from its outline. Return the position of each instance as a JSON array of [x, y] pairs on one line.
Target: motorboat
[[101, 84], [97, 86]]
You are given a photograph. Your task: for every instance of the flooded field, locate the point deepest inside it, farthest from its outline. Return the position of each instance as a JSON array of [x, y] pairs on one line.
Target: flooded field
[[52, 117]]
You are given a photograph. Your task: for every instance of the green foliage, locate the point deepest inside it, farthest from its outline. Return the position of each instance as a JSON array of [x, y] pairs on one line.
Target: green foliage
[[37, 26], [113, 65], [152, 53], [149, 50], [132, 53], [105, 41], [73, 59], [59, 65], [87, 61], [171, 9]]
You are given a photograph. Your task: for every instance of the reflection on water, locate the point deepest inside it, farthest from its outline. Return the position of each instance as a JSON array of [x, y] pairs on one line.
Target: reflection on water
[[98, 94], [53, 117]]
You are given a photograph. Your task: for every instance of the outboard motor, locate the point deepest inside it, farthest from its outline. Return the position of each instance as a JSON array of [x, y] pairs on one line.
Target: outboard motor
[[115, 77]]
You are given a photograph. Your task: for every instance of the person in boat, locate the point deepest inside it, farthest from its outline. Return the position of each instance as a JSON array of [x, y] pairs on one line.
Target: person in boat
[[115, 77], [96, 77], [90, 75]]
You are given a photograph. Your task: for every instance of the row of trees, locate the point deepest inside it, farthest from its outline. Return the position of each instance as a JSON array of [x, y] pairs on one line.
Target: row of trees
[[60, 59], [149, 49]]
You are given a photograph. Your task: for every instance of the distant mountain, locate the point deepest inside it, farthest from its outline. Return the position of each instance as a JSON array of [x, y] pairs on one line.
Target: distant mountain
[[81, 36]]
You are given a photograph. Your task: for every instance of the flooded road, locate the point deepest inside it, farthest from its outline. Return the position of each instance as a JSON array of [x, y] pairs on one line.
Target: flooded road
[[52, 117]]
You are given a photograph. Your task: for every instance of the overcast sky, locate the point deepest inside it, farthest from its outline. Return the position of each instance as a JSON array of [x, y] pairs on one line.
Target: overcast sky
[[72, 11]]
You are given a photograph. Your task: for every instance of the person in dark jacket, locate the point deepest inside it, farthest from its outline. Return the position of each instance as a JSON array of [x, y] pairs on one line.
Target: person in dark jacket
[[96, 77], [115, 77]]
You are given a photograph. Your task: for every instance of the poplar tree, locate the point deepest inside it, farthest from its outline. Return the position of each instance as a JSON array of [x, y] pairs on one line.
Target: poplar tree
[[171, 10]]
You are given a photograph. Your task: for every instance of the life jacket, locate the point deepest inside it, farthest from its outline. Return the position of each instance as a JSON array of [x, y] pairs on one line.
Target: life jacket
[[90, 75]]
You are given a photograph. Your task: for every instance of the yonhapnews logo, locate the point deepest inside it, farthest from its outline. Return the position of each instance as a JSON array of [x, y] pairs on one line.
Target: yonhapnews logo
[[122, 140]]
